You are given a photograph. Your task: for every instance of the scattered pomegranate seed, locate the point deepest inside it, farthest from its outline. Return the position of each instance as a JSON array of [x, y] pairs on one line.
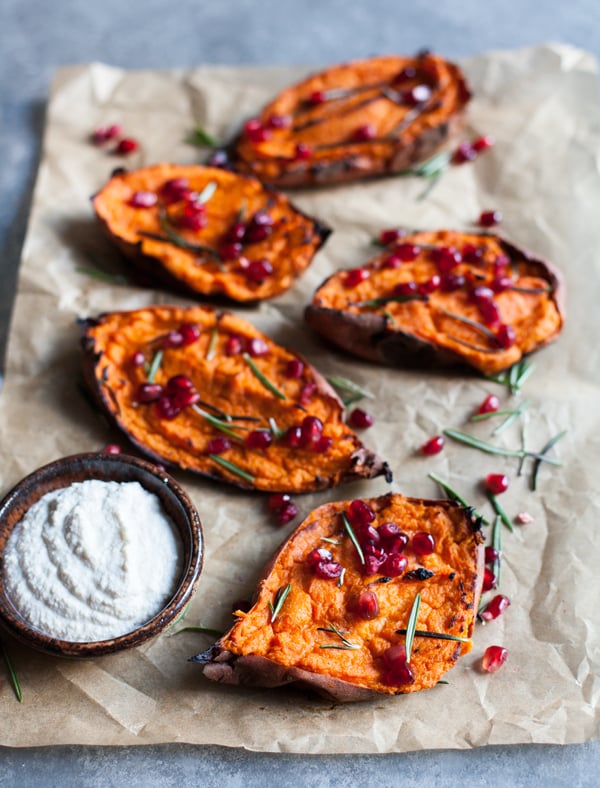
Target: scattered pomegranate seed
[[408, 72], [143, 199], [482, 143], [480, 294], [524, 518], [494, 658], [489, 580], [174, 189], [495, 607], [138, 359], [465, 152], [257, 347], [279, 121], [193, 222], [369, 536], [446, 258], [256, 132], [500, 264], [111, 448], [490, 218], [233, 346], [287, 513], [218, 445], [423, 543], [189, 333], [490, 313], [302, 151], [236, 232], [355, 277], [256, 233], [500, 284], [389, 530], [394, 565], [258, 439], [433, 445], [392, 236], [230, 251], [472, 254], [406, 289], [183, 399], [173, 339], [258, 271], [392, 261], [317, 97], [323, 445], [371, 565], [218, 158], [311, 431], [360, 419], [100, 136], [126, 146], [317, 555], [277, 501], [364, 133], [407, 252], [399, 671], [449, 283], [166, 409], [360, 513], [491, 554], [294, 368], [307, 391], [506, 336], [328, 570], [148, 392], [179, 383], [397, 544], [417, 95], [367, 605], [497, 483], [430, 286], [293, 437]]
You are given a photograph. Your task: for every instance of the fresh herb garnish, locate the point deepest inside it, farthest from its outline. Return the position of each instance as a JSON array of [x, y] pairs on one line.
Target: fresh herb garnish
[[210, 353], [172, 236], [473, 323], [340, 581], [348, 391], [475, 443], [277, 431], [423, 633], [352, 535], [331, 541], [373, 303], [205, 630], [103, 276], [542, 457], [346, 644], [11, 672], [201, 138], [514, 376], [511, 414], [264, 380], [207, 192], [231, 466], [499, 509], [411, 626], [453, 495], [280, 597], [217, 423], [155, 366], [497, 545]]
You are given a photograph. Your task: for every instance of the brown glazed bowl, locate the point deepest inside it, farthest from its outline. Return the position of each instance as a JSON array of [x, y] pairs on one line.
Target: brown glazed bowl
[[104, 467]]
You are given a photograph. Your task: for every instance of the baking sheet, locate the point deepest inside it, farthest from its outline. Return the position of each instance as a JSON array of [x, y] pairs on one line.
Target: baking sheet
[[541, 104]]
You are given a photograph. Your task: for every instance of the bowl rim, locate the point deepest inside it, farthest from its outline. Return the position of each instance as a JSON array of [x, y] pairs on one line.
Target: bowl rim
[[36, 484]]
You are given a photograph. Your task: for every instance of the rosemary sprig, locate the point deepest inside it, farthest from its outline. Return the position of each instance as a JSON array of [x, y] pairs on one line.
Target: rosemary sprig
[[264, 380], [523, 440], [231, 466], [277, 431], [511, 413], [475, 443], [389, 317], [373, 303], [411, 626], [515, 376], [454, 496], [205, 630], [348, 391], [340, 581], [210, 352], [542, 456], [14, 680], [499, 509], [280, 597], [423, 633], [217, 423], [172, 236], [155, 365], [473, 323], [331, 541], [353, 539], [207, 192], [497, 545], [103, 276], [346, 644], [201, 138]]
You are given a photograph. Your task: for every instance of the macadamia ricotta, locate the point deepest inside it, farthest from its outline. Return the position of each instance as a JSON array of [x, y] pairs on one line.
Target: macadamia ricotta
[[92, 561]]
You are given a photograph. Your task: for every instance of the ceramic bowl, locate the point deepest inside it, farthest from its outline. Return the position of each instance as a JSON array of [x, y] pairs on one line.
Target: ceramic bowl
[[104, 467]]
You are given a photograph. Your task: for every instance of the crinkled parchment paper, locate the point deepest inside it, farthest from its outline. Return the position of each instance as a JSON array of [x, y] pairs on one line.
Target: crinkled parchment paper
[[542, 106]]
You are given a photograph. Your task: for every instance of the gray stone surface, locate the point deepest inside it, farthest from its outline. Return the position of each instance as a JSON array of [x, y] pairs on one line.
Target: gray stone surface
[[36, 36]]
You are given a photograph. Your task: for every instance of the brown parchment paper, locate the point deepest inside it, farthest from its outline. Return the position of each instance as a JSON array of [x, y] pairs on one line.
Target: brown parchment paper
[[541, 104]]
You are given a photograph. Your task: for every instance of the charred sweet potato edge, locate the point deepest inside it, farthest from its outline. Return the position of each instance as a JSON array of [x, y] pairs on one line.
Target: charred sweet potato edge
[[301, 647], [365, 97], [154, 239], [225, 383], [407, 334]]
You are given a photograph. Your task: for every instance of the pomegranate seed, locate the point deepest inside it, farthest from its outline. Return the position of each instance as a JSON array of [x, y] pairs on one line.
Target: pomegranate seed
[[394, 565], [394, 656], [279, 121], [111, 448], [236, 232], [407, 252], [308, 389], [126, 146], [500, 284], [489, 405], [494, 658], [465, 152], [399, 671], [482, 143], [179, 383], [489, 580], [497, 483], [397, 544], [430, 286], [258, 271], [360, 419], [287, 513], [524, 518], [183, 399], [302, 151], [323, 445], [360, 513], [392, 236], [371, 565], [218, 445], [433, 445], [317, 97], [277, 501], [174, 189], [258, 439], [392, 262], [311, 431], [495, 607], [143, 200], [189, 333], [368, 535], [491, 554], [500, 263], [451, 282], [490, 313], [256, 132], [253, 124], [138, 359], [389, 530], [423, 543], [166, 409], [480, 294], [506, 336], [114, 131], [233, 346], [406, 289], [446, 258], [489, 218], [230, 251], [355, 277], [218, 158], [364, 133], [257, 233], [100, 136], [195, 222], [417, 95], [294, 368], [472, 254], [328, 570], [173, 339], [257, 347], [293, 437], [408, 72], [367, 605], [318, 555], [148, 392]]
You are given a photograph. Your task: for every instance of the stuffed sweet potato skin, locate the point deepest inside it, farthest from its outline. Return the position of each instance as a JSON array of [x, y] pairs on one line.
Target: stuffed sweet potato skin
[[461, 298], [356, 120], [301, 645], [221, 398], [213, 248]]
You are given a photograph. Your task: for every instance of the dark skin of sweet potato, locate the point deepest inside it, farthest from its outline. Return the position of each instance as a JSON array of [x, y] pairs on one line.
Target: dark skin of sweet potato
[[356, 120], [301, 646], [218, 362], [190, 249], [425, 311]]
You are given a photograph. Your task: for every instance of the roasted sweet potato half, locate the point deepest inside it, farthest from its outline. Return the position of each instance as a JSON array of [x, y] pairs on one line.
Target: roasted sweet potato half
[[207, 392], [208, 232], [333, 606], [440, 298], [355, 120]]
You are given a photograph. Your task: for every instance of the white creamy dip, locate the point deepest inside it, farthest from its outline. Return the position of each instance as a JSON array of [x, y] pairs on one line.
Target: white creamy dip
[[92, 561]]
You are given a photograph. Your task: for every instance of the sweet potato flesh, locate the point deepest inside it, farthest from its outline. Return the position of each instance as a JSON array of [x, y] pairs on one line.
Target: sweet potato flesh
[[298, 637], [449, 315], [356, 115], [227, 388], [147, 234]]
